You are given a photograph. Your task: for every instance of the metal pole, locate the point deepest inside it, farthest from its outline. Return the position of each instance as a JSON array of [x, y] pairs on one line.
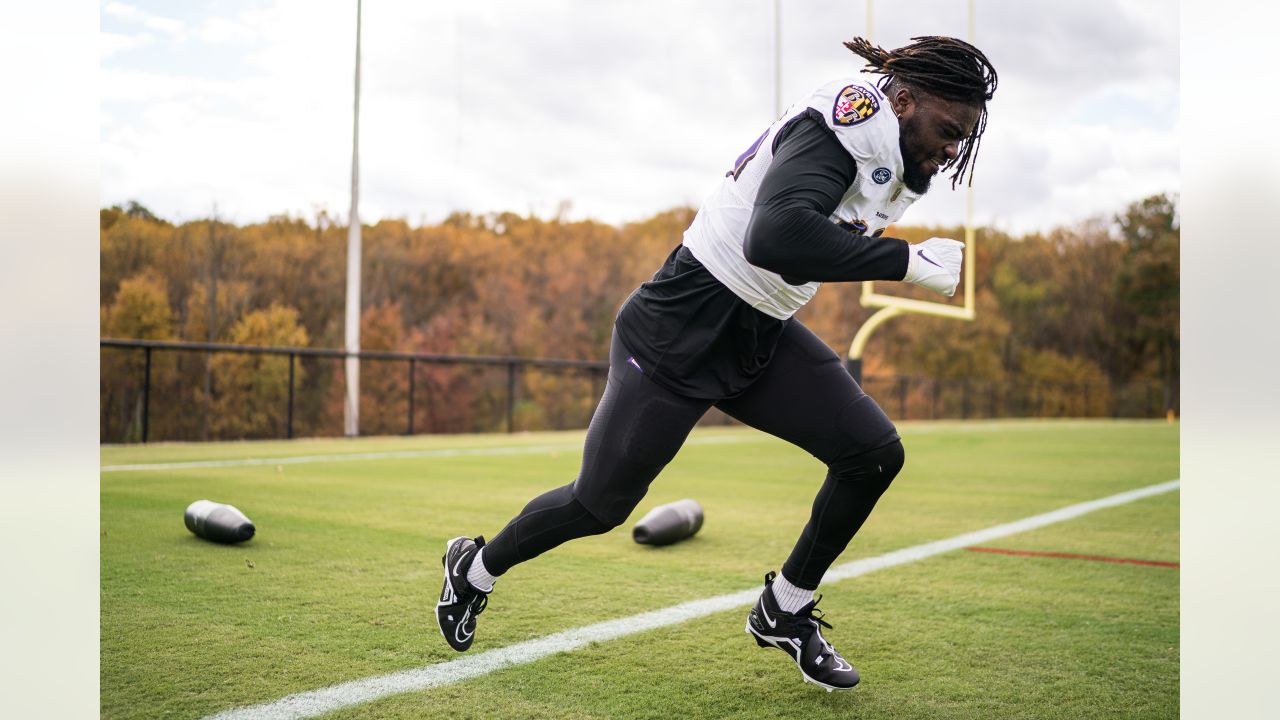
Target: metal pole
[[902, 398], [352, 405], [211, 333], [511, 397], [146, 395], [854, 366], [854, 363], [411, 365], [289, 425]]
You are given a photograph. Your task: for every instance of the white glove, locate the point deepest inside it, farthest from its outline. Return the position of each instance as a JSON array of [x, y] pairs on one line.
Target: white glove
[[935, 264]]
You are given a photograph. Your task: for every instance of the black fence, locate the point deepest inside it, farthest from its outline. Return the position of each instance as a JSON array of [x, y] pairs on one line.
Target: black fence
[[924, 398], [165, 391]]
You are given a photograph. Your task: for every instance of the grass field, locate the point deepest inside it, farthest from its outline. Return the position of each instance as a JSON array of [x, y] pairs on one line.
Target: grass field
[[341, 581]]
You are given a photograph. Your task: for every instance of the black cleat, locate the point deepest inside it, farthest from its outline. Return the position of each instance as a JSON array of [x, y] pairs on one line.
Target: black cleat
[[460, 602], [798, 635]]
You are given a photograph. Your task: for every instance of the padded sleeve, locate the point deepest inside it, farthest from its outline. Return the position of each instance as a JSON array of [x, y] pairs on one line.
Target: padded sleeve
[[790, 232]]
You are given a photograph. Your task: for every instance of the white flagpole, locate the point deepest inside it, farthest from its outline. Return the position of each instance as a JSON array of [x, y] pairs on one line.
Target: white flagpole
[[352, 405]]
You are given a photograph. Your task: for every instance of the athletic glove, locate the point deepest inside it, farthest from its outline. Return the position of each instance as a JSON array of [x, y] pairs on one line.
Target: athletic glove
[[935, 264]]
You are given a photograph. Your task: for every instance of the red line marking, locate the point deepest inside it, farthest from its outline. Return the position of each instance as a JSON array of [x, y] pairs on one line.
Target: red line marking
[[1073, 556]]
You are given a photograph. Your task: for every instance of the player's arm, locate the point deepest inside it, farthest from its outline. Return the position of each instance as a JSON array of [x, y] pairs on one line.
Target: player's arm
[[790, 232]]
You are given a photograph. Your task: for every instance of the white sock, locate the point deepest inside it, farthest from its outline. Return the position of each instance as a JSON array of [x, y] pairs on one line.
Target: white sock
[[478, 576], [790, 598]]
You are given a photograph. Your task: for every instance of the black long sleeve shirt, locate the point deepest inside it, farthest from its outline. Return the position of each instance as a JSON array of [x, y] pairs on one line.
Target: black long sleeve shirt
[[692, 335], [790, 232]]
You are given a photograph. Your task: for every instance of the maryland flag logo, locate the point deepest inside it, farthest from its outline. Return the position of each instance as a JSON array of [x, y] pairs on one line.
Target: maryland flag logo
[[853, 105]]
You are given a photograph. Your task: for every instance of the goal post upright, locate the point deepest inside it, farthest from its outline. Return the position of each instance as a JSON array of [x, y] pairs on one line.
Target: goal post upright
[[891, 305]]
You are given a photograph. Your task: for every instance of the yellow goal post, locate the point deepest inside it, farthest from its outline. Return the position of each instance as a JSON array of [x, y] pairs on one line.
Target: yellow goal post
[[892, 305]]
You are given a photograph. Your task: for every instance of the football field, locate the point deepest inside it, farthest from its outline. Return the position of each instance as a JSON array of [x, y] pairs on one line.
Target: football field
[[339, 585]]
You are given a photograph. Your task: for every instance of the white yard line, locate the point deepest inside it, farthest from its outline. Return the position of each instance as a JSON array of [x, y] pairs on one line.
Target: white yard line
[[907, 429], [335, 697], [402, 454]]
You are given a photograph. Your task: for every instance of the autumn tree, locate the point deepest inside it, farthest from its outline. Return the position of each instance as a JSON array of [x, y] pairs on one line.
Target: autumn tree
[[448, 395], [1146, 289], [384, 385], [139, 311], [1053, 308], [251, 390]]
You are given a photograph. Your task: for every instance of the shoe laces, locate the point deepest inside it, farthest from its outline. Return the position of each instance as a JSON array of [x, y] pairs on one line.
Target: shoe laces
[[812, 612], [482, 601]]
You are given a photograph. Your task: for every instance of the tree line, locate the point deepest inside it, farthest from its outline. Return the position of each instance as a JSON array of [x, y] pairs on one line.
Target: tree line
[[1090, 306]]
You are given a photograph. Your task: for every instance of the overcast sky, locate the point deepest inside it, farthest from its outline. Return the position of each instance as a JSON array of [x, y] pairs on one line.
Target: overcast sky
[[615, 110]]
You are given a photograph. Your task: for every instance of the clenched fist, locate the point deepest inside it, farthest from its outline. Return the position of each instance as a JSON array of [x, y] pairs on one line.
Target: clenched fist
[[935, 264]]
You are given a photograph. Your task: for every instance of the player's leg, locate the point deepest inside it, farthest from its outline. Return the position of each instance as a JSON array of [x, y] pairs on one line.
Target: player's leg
[[807, 397], [635, 431]]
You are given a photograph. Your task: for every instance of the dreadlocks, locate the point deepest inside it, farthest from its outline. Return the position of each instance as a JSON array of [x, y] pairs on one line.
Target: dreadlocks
[[942, 66]]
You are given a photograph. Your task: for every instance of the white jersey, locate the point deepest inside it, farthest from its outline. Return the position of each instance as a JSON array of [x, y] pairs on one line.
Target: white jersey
[[861, 119]]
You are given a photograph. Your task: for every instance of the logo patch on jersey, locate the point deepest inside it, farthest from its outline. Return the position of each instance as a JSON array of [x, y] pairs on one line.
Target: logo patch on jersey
[[882, 175], [853, 105]]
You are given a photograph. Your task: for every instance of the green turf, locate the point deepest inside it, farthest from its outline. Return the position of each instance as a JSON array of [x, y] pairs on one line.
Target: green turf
[[341, 581]]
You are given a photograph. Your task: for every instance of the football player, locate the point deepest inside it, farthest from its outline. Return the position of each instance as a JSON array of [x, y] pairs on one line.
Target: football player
[[806, 203]]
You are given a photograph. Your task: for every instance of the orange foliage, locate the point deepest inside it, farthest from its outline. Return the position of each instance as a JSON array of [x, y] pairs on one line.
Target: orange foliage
[[1063, 308]]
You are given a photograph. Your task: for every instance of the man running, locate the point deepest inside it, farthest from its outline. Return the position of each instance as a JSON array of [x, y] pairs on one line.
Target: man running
[[806, 203]]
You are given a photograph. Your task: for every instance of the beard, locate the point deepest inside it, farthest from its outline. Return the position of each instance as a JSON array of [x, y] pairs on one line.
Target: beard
[[912, 176]]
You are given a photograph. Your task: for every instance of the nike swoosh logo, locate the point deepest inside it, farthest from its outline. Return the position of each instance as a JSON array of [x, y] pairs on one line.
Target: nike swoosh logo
[[772, 623], [457, 564], [460, 632], [926, 258]]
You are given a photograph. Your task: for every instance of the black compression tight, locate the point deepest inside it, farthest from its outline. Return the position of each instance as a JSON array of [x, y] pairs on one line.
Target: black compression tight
[[547, 521], [805, 397], [635, 431], [846, 499]]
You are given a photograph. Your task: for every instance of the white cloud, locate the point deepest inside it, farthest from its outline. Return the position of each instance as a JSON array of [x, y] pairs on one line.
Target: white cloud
[[1052, 176], [164, 25], [220, 31], [621, 109], [111, 43]]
